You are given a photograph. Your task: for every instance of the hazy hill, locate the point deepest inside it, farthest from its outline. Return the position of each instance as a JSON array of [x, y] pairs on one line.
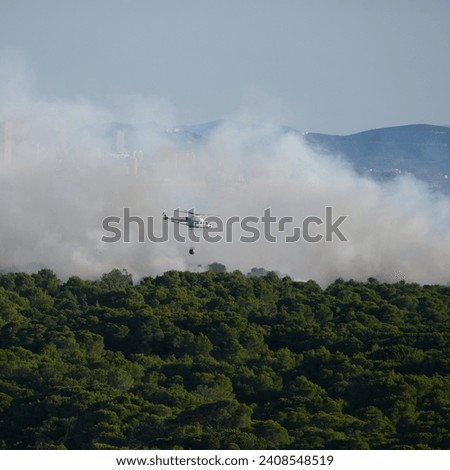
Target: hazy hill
[[420, 149]]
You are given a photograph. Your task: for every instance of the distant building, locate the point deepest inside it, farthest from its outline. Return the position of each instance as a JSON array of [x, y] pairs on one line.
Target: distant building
[[120, 141], [6, 141], [130, 159]]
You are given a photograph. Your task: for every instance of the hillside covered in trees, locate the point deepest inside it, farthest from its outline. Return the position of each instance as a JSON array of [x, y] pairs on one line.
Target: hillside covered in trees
[[222, 361]]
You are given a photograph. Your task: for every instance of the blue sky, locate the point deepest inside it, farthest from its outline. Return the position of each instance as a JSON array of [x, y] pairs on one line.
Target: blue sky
[[317, 65]]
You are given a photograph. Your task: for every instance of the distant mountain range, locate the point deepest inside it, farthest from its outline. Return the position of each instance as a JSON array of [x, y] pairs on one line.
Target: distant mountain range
[[419, 149], [422, 150]]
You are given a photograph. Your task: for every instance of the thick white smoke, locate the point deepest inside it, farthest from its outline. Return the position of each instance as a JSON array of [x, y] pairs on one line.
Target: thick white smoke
[[63, 169]]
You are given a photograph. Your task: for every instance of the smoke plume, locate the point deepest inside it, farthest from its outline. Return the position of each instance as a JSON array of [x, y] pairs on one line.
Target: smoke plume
[[66, 165]]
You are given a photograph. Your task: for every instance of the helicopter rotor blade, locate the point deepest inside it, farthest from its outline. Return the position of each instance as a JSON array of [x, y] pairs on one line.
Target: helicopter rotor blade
[[194, 213]]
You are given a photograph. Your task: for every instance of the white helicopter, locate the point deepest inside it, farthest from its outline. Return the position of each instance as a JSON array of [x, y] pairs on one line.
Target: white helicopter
[[193, 220]]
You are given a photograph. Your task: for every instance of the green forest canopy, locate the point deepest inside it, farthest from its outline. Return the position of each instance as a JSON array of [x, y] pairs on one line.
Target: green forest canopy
[[219, 360]]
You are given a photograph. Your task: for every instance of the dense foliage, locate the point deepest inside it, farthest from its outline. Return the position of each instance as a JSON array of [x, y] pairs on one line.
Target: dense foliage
[[222, 361]]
